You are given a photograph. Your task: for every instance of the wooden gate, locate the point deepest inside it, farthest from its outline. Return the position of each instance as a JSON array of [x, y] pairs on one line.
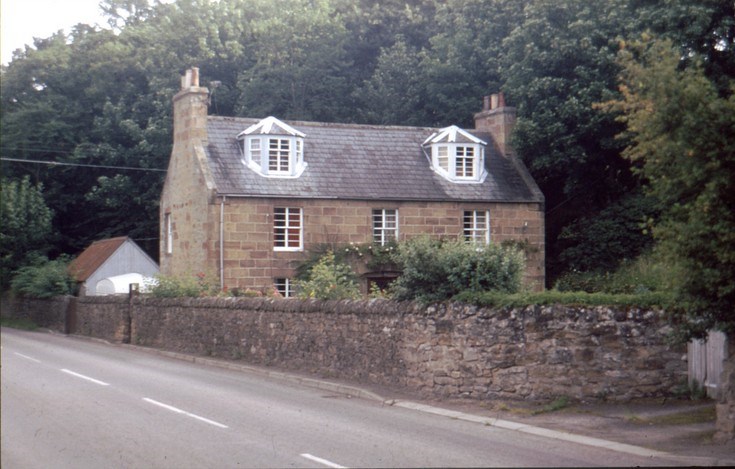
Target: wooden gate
[[705, 359]]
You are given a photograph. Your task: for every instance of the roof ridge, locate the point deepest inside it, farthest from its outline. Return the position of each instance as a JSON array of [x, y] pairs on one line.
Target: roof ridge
[[345, 125]]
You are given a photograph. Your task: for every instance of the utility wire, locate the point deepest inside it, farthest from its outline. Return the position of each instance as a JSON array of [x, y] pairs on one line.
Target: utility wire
[[56, 163]]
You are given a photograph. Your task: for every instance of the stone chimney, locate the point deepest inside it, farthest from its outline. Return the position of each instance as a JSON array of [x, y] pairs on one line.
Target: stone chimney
[[190, 109], [497, 119]]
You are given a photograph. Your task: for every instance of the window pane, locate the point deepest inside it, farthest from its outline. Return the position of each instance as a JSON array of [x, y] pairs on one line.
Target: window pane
[[465, 157], [475, 226], [294, 218], [278, 154], [283, 286], [442, 156], [385, 225], [287, 232]]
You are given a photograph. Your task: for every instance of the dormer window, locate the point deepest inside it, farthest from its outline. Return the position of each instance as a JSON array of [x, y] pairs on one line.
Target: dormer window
[[457, 155], [273, 148]]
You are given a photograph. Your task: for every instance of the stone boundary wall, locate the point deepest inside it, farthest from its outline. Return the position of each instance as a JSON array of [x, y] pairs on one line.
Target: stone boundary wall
[[444, 350], [49, 313], [103, 317]]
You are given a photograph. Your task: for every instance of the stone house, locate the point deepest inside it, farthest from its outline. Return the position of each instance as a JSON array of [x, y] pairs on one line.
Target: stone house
[[247, 199]]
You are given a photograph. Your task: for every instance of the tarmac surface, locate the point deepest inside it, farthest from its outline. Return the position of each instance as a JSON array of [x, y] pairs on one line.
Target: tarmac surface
[[655, 428], [682, 428]]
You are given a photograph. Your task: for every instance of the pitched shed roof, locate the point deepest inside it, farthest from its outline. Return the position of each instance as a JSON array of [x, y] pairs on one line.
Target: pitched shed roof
[[361, 162], [94, 256]]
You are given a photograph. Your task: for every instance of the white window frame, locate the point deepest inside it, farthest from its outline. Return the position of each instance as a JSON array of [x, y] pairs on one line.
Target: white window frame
[[258, 151], [447, 159], [288, 229], [383, 234], [442, 158], [471, 229], [465, 161], [168, 233], [279, 155], [285, 287]]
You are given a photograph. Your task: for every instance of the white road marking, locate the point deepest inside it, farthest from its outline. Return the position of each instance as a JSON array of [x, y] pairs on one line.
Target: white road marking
[[322, 461], [95, 381], [188, 414], [27, 357]]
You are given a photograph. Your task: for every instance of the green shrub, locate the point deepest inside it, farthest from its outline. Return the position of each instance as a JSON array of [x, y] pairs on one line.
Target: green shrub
[[502, 300], [164, 286], [329, 279], [372, 255], [438, 269], [19, 323], [44, 279], [649, 272]]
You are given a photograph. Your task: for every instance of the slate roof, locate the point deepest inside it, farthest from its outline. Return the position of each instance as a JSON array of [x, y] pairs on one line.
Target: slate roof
[[361, 162], [94, 256]]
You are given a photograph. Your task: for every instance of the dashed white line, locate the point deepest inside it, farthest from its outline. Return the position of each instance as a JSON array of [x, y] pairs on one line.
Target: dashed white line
[[188, 414], [27, 357], [322, 461], [78, 375]]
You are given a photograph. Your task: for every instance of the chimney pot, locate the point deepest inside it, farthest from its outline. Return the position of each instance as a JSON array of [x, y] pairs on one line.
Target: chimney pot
[[496, 119], [195, 76], [190, 78], [486, 103], [493, 101]]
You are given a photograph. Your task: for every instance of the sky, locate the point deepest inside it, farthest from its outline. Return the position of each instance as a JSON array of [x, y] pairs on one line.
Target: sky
[[22, 20]]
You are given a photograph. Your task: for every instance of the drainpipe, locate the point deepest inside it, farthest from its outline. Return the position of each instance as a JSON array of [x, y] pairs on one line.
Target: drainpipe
[[222, 243]]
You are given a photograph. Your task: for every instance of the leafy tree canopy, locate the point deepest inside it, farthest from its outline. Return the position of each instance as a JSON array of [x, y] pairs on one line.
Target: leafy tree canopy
[[681, 129], [25, 225], [99, 99]]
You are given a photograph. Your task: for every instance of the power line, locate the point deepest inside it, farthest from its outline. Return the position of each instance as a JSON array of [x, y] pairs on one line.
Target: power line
[[56, 163]]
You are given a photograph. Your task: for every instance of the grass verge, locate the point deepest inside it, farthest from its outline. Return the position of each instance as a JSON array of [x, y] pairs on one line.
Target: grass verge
[[24, 324]]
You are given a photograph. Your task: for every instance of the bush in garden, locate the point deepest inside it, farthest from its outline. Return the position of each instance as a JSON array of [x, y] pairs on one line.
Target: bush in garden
[[165, 286], [44, 279], [329, 279], [438, 269]]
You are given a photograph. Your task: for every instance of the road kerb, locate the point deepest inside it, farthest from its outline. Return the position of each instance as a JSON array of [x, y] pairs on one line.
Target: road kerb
[[538, 431]]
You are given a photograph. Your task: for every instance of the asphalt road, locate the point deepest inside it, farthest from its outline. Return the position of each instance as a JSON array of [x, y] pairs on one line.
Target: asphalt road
[[71, 402]]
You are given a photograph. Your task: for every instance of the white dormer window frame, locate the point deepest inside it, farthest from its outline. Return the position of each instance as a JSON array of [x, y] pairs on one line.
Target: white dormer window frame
[[457, 161], [273, 148]]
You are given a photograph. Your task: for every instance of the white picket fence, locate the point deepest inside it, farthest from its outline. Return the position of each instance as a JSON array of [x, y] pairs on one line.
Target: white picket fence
[[705, 359]]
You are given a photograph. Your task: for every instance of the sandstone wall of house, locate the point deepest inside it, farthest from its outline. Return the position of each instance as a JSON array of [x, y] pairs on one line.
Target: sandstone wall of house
[[251, 261], [188, 189]]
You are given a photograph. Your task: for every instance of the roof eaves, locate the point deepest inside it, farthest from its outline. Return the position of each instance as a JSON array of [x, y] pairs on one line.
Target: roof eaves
[[450, 135], [266, 126]]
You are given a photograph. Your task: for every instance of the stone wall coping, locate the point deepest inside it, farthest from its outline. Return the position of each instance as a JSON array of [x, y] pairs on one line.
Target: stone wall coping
[[379, 306]]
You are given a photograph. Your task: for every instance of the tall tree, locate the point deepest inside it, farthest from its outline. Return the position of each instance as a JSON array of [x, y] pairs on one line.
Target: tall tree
[[300, 62], [702, 29], [680, 129], [557, 64], [395, 92], [463, 63], [25, 225]]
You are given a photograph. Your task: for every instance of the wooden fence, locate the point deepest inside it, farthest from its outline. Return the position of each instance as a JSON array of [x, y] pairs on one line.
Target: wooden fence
[[705, 359]]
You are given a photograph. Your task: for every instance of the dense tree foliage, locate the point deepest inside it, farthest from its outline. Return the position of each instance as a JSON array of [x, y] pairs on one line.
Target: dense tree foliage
[[99, 100], [682, 131], [25, 225]]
